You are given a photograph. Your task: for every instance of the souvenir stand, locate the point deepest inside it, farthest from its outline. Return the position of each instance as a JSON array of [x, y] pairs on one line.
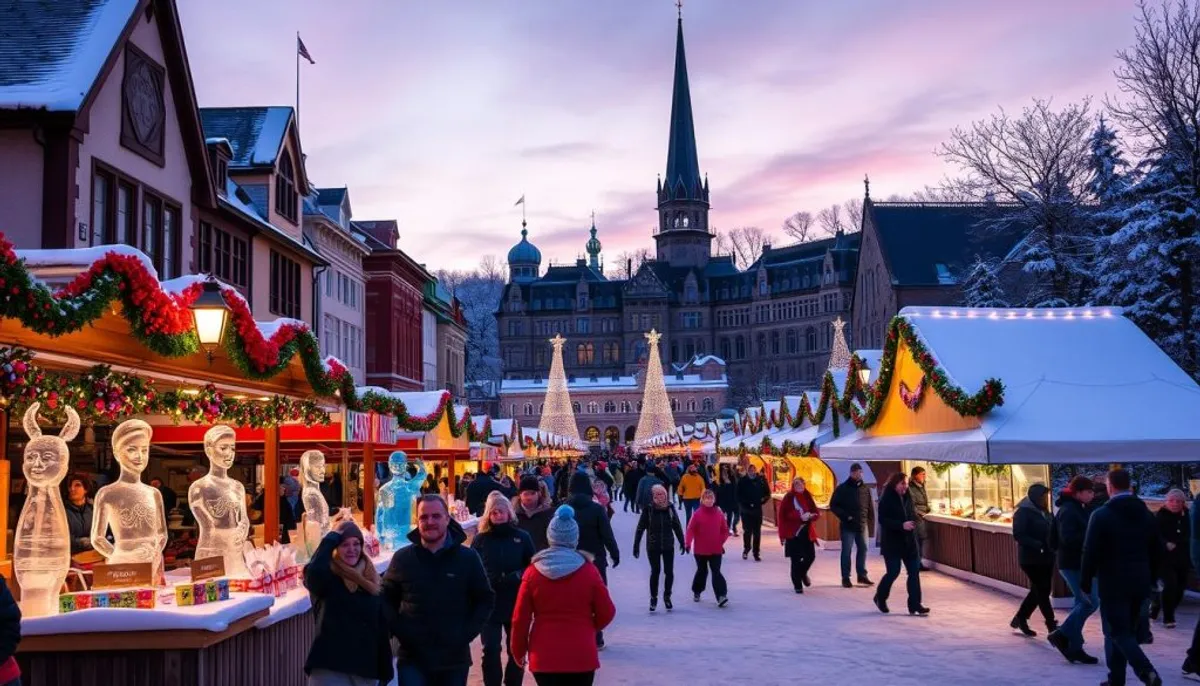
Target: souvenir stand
[[509, 453], [987, 399]]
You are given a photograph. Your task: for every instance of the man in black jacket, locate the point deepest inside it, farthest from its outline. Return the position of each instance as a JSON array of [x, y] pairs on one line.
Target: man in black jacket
[[1070, 527], [595, 531], [1123, 551], [480, 489], [855, 509], [752, 494], [437, 598], [532, 506]]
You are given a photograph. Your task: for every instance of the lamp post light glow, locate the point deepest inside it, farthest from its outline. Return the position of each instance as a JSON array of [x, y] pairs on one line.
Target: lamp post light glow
[[864, 375], [210, 313]]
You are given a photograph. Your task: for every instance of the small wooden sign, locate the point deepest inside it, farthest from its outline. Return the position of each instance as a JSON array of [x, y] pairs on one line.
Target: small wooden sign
[[128, 575], [208, 568]]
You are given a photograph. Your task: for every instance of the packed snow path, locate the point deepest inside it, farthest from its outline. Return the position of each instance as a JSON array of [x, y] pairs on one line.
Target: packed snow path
[[768, 635]]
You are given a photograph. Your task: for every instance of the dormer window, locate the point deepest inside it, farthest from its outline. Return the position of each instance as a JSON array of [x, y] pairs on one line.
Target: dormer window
[[285, 187]]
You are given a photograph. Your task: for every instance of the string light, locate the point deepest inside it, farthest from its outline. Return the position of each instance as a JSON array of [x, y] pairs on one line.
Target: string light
[[558, 417], [656, 417]]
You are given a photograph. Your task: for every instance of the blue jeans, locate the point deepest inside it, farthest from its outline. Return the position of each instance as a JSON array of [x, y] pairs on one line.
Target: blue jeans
[[1119, 616], [412, 675], [860, 561], [1085, 605], [689, 506]]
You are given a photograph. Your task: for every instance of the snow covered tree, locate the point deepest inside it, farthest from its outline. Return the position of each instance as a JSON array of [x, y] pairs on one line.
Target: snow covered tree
[[1034, 168], [982, 288], [1109, 169]]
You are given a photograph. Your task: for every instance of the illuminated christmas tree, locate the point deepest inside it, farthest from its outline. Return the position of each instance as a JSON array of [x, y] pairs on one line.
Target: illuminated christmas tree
[[839, 357], [558, 417], [656, 415]]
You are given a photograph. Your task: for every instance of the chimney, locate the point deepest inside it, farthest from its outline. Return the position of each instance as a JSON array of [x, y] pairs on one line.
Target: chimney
[[629, 267]]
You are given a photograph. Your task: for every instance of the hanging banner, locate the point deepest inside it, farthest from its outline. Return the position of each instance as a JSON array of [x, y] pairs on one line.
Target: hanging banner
[[369, 427]]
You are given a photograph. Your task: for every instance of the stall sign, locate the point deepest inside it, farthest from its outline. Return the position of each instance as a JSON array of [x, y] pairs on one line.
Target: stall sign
[[369, 427], [208, 568], [127, 575]]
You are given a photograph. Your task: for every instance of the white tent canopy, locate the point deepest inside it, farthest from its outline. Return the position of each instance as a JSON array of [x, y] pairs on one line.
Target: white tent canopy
[[1080, 386]]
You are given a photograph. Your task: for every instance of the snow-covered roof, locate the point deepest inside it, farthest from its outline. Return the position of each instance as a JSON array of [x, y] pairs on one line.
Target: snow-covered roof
[[255, 134], [238, 199], [708, 358], [608, 384], [52, 52], [1081, 385]]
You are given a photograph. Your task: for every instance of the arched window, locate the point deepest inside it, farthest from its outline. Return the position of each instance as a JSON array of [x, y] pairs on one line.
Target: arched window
[[810, 339], [512, 410], [593, 407], [585, 353], [739, 348], [285, 187], [706, 404], [610, 406], [674, 404], [774, 342], [528, 409], [793, 342], [612, 435], [625, 406], [691, 405], [576, 407], [630, 432], [592, 434], [725, 349]]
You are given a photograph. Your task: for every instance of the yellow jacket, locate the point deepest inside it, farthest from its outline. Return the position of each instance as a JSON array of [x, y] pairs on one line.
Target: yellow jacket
[[691, 486]]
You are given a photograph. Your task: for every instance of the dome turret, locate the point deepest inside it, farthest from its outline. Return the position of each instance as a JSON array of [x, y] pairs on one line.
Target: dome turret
[[524, 259], [593, 247]]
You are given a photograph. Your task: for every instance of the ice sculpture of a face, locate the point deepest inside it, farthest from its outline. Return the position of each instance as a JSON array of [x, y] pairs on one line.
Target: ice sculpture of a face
[[222, 451], [47, 457], [398, 462], [134, 452], [313, 465]]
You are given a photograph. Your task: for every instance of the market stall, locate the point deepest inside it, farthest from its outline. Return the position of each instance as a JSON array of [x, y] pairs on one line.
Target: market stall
[[987, 399]]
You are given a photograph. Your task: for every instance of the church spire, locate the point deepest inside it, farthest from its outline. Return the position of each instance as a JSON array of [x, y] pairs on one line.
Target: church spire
[[683, 164]]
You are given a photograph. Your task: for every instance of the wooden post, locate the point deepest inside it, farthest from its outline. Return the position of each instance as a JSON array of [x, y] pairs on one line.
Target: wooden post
[[346, 501], [5, 479], [368, 466], [450, 482], [271, 485]]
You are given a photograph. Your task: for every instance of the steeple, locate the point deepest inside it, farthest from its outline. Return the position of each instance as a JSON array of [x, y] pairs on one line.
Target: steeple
[[593, 247], [683, 236], [682, 180]]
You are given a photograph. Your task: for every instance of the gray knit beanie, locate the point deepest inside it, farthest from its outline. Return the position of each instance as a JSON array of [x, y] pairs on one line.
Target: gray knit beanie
[[563, 532]]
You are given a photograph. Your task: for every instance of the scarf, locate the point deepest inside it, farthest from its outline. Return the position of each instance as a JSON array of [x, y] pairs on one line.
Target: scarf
[[555, 563], [362, 574]]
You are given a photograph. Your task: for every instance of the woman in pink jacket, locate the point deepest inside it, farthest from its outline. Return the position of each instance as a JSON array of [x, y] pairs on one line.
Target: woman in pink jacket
[[705, 538]]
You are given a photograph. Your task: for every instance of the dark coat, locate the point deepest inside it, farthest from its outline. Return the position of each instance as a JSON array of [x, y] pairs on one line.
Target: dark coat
[[478, 492], [632, 479], [1177, 529], [289, 518], [852, 504], [1032, 527], [506, 551], [727, 496], [1070, 527], [79, 523], [920, 498], [10, 622], [535, 525], [352, 632], [437, 602], [658, 525], [1123, 550], [752, 494], [595, 531], [647, 482], [894, 511]]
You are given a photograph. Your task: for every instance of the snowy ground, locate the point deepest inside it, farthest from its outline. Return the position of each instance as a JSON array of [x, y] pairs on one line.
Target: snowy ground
[[768, 635]]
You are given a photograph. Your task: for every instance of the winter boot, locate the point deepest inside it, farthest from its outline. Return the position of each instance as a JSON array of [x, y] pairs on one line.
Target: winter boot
[[653, 603], [1021, 625], [695, 597], [722, 601], [667, 603], [1150, 678], [919, 611], [863, 580], [881, 604], [1190, 669], [846, 583]]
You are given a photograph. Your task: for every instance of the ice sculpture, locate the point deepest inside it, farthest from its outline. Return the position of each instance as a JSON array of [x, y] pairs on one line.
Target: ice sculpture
[[219, 504], [393, 518], [42, 543], [312, 471], [132, 509]]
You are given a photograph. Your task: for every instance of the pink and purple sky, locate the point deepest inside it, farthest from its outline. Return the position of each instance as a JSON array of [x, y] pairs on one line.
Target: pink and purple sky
[[441, 115]]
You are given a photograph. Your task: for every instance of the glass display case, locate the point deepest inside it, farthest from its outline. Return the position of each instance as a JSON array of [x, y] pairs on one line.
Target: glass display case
[[782, 472], [983, 493], [818, 478]]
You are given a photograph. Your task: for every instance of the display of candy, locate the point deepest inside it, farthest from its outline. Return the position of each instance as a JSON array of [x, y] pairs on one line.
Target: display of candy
[[183, 595], [66, 603], [99, 600], [238, 585], [140, 599]]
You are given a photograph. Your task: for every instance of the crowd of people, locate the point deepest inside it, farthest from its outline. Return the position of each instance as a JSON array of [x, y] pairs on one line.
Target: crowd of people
[[532, 584]]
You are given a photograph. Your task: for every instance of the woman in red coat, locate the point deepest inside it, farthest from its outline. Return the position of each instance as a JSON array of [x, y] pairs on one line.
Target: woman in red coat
[[706, 535], [797, 512], [564, 599]]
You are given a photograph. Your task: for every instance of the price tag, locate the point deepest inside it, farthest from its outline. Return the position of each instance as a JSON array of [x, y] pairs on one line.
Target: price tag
[[128, 575], [208, 568]]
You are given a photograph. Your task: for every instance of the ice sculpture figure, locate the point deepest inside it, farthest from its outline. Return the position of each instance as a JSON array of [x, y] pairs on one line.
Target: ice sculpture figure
[[219, 504], [393, 518], [42, 543], [132, 509], [312, 471]]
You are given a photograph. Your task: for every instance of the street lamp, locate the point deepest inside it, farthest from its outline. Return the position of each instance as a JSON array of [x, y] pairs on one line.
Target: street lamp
[[864, 376], [210, 312]]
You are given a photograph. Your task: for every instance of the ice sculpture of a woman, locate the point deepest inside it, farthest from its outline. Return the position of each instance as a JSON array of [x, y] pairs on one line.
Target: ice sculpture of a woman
[[312, 472], [42, 543], [219, 504], [132, 509], [393, 518]]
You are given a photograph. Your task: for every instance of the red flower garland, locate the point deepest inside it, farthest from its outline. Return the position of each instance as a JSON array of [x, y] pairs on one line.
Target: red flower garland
[[912, 399]]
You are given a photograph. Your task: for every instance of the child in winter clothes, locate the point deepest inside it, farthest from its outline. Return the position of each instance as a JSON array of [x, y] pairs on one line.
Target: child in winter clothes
[[706, 536], [659, 520]]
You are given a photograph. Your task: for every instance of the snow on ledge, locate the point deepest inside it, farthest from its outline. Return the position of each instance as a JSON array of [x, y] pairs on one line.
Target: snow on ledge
[[82, 257], [269, 329]]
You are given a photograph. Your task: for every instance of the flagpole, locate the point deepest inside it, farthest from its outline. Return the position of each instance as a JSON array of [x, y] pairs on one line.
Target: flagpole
[[297, 51]]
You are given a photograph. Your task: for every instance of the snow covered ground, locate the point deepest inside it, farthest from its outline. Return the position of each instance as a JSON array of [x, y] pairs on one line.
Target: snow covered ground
[[768, 635]]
